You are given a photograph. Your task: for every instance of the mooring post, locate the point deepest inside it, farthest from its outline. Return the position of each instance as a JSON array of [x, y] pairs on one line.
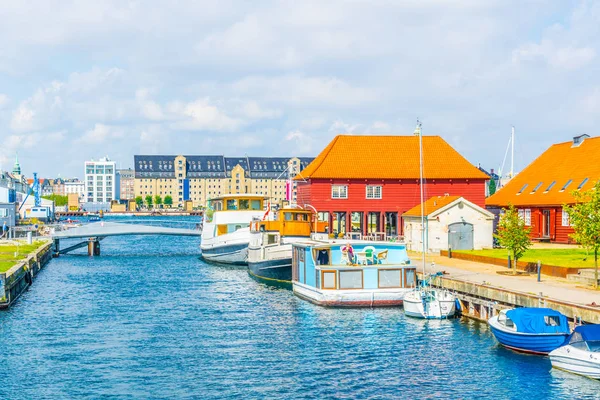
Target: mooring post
[[539, 270], [449, 252], [56, 247]]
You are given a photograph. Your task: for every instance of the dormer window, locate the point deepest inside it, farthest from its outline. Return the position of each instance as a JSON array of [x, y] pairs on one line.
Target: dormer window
[[582, 183], [536, 188], [523, 188], [577, 140], [566, 184], [550, 187]]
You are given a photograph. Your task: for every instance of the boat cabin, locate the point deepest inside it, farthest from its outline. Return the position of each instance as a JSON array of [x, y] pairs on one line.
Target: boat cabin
[[238, 202], [372, 266], [288, 222], [230, 213], [533, 320]]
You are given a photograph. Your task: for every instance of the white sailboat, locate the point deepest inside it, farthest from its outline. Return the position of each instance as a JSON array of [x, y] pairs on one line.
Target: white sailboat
[[425, 301]]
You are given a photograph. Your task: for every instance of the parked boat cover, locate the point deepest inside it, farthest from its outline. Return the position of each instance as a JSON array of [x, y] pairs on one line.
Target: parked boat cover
[[533, 320], [585, 332]]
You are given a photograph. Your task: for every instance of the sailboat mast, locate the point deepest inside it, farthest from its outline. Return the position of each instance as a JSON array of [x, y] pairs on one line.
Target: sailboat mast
[[423, 233], [512, 156]]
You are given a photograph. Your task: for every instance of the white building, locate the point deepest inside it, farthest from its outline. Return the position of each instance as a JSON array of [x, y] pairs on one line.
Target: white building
[[76, 186], [451, 221], [100, 180]]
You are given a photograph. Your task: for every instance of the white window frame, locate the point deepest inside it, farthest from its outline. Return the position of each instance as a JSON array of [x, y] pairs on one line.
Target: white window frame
[[373, 189], [527, 216], [566, 220], [338, 193]]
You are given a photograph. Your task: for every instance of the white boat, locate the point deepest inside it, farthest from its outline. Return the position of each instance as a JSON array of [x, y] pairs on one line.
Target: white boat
[[226, 229], [581, 354], [425, 301]]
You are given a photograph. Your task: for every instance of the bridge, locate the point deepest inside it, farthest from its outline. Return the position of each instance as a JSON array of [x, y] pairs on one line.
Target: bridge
[[95, 232]]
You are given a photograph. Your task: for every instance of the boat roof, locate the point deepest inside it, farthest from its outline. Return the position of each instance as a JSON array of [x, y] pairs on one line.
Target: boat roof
[[240, 196], [588, 332], [532, 320], [342, 242]]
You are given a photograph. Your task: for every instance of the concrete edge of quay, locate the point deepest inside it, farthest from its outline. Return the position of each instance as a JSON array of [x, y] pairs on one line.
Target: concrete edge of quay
[[18, 278]]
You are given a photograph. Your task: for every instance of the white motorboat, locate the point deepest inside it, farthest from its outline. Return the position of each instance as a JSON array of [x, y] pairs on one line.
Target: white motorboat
[[581, 353], [425, 301], [226, 229]]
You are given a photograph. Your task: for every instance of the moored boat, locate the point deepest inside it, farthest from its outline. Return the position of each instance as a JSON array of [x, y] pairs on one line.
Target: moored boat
[[581, 353], [377, 274], [270, 248], [226, 229], [429, 303], [530, 330]]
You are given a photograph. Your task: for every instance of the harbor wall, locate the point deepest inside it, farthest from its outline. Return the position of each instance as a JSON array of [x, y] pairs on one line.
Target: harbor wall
[[550, 270], [17, 279]]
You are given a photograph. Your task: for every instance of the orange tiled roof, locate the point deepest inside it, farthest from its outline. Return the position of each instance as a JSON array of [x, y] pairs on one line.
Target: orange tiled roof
[[389, 157], [559, 164], [431, 205]]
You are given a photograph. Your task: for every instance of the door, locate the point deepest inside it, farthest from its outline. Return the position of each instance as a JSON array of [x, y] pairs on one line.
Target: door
[[546, 223], [460, 236]]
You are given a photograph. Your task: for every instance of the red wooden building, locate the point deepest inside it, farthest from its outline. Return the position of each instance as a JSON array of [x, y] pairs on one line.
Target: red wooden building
[[540, 190], [364, 183]]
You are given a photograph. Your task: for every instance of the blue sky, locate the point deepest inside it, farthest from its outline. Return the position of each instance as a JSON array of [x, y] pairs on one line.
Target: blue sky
[[85, 79]]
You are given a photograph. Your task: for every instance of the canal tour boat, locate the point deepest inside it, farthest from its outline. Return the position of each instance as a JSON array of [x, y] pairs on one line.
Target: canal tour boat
[[581, 354], [530, 330], [270, 249], [378, 273], [226, 228]]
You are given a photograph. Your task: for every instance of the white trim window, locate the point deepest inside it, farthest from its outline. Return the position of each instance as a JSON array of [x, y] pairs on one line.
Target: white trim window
[[374, 191], [566, 221], [339, 191], [527, 217]]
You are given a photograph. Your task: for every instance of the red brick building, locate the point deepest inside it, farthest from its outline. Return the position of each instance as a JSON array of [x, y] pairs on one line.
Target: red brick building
[[540, 190], [365, 183]]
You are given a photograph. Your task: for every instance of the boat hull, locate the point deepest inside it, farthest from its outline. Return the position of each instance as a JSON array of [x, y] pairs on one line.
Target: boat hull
[[434, 309], [275, 272], [576, 361], [235, 254], [533, 343], [350, 298]]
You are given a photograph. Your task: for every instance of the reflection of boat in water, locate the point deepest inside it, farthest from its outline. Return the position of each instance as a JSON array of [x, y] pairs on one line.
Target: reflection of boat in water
[[530, 330], [226, 228], [581, 353], [379, 274], [270, 248]]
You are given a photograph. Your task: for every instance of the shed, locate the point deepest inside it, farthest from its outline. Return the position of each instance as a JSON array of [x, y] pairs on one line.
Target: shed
[[450, 221]]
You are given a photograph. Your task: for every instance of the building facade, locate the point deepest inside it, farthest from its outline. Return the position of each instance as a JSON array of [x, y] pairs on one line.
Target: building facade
[[126, 180], [75, 186], [100, 180], [540, 190], [364, 184], [199, 178]]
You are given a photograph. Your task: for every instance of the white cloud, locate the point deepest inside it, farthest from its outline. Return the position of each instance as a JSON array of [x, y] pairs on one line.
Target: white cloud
[[3, 100], [100, 134], [202, 115], [558, 57]]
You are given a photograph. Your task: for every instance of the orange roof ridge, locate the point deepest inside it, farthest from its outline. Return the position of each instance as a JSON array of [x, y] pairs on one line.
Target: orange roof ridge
[[431, 205]]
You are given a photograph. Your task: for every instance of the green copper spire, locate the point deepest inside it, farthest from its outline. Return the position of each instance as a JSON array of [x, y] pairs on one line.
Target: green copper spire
[[17, 167]]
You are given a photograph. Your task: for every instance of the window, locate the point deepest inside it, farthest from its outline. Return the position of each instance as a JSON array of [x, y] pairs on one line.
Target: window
[[550, 187], [527, 217], [328, 279], [566, 184], [373, 192], [389, 278], [582, 183], [523, 188], [536, 188], [351, 280], [565, 218], [339, 191]]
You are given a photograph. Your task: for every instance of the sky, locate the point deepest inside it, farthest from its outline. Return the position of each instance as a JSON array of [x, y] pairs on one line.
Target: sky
[[87, 79]]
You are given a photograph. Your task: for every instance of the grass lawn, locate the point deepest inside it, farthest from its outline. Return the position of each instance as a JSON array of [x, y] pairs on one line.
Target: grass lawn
[[7, 253], [572, 258]]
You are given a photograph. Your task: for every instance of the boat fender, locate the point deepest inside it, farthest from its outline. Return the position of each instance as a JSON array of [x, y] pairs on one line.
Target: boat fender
[[457, 304]]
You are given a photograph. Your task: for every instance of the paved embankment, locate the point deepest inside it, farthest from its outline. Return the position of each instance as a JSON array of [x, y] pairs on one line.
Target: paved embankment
[[14, 281], [482, 281]]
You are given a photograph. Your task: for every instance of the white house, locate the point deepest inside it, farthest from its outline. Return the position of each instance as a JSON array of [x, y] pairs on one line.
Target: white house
[[100, 180], [450, 221]]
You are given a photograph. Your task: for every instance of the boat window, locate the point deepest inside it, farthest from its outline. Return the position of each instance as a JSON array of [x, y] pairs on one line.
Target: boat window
[[328, 279], [232, 204], [272, 239], [287, 216], [300, 217], [322, 256], [351, 279], [551, 320], [582, 346], [593, 345], [509, 323], [389, 278], [255, 205], [244, 204], [410, 278]]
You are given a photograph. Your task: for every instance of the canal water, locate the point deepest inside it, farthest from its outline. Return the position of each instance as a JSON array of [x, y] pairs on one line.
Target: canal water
[[149, 319]]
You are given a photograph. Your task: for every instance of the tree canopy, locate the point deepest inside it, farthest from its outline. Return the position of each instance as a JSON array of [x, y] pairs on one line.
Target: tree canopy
[[57, 199], [168, 200], [513, 234]]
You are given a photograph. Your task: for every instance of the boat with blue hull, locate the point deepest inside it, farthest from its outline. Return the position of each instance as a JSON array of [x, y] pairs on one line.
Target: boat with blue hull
[[372, 274], [530, 330]]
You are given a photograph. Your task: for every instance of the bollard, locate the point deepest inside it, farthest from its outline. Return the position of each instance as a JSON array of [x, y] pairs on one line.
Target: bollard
[[539, 270], [449, 252], [509, 262], [29, 237]]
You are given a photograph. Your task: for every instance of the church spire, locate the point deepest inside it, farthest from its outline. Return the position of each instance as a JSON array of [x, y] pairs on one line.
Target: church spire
[[17, 167]]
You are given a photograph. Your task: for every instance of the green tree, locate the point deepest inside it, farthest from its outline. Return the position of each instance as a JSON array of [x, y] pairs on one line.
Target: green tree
[[168, 200], [158, 200], [492, 186], [57, 199], [139, 202], [513, 235], [584, 217], [149, 201]]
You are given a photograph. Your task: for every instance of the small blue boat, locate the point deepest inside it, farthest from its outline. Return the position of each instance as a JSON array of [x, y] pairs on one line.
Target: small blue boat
[[530, 330]]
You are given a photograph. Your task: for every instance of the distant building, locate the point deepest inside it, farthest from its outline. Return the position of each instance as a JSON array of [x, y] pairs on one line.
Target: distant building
[[364, 184], [199, 178], [126, 183], [541, 189], [493, 183], [75, 186], [100, 180]]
